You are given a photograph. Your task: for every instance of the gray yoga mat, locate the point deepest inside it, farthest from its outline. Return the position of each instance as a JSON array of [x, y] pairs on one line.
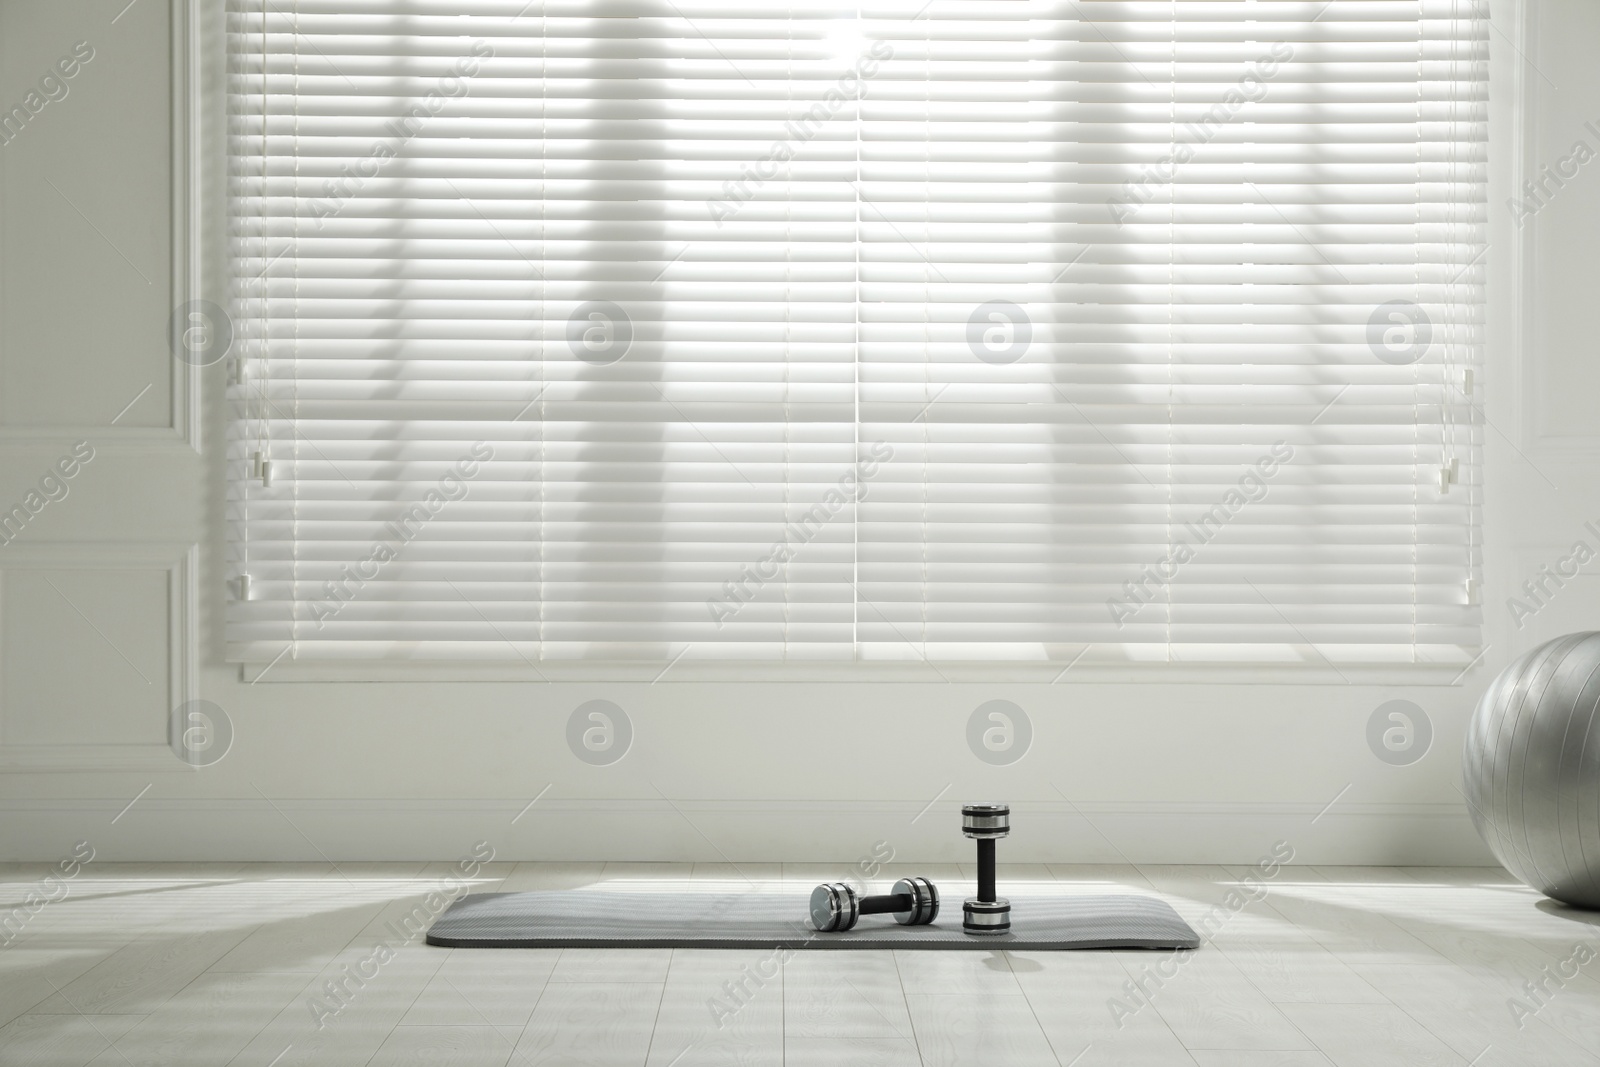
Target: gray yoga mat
[[596, 918]]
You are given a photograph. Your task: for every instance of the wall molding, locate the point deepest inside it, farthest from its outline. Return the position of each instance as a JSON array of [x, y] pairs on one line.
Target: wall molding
[[181, 562], [1523, 34], [308, 829], [185, 282]]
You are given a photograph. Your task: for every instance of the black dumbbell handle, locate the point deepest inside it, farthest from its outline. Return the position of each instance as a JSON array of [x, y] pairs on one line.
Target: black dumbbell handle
[[885, 904], [986, 868]]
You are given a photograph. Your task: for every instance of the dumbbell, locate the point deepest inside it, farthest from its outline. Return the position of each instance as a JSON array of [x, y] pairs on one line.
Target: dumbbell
[[835, 906], [986, 913]]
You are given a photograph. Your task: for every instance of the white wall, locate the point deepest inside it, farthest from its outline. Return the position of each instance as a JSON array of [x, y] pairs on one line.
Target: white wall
[[105, 626]]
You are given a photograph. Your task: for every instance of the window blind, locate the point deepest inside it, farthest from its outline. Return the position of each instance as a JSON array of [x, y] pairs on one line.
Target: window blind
[[978, 331]]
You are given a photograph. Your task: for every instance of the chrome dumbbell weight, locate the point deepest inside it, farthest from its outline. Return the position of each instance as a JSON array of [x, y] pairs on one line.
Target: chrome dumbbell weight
[[835, 906], [986, 913]]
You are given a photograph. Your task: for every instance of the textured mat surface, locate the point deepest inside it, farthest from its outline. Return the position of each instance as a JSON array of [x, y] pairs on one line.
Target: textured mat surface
[[597, 918]]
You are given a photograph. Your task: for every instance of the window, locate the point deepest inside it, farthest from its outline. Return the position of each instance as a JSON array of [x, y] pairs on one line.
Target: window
[[900, 332]]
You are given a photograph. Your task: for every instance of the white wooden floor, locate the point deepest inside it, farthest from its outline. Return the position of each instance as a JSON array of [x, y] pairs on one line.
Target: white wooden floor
[[171, 965]]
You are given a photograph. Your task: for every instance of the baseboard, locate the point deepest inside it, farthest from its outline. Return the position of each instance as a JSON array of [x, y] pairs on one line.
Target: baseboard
[[312, 829]]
